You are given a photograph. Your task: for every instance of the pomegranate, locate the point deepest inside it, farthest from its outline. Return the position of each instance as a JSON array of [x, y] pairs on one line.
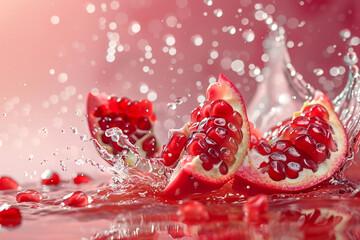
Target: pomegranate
[[134, 118], [9, 216], [76, 199], [208, 150], [28, 196], [81, 178], [298, 155], [7, 183], [49, 177]]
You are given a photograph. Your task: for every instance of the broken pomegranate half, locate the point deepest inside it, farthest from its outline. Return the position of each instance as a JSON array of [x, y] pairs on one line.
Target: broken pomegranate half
[[298, 155], [208, 150], [135, 119]]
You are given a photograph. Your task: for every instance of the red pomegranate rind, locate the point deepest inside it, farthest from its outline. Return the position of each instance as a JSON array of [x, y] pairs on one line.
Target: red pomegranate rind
[[207, 161], [319, 157], [7, 183], [134, 118]]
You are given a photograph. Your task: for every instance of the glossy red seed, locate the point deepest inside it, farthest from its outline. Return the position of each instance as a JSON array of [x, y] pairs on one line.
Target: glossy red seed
[[223, 168], [207, 164], [105, 139], [277, 171], [236, 119], [81, 178], [122, 104], [7, 183], [231, 145], [128, 129], [216, 121], [149, 144], [277, 156], [310, 164], [176, 142], [117, 148], [104, 123], [194, 114], [306, 143], [321, 153], [300, 121], [101, 111], [296, 132], [220, 108], [196, 146], [9, 216], [28, 196], [280, 146], [143, 123], [214, 155], [170, 158], [317, 132], [227, 156], [113, 105], [322, 123], [253, 141], [218, 134], [193, 212], [118, 122], [293, 154], [146, 108], [234, 133], [76, 199], [133, 109], [317, 110], [263, 147], [49, 177], [205, 110], [194, 126], [330, 143], [286, 131], [292, 170]]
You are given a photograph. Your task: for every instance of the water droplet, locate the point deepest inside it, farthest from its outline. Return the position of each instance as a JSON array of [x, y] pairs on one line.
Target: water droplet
[[218, 12], [171, 106], [208, 2], [79, 161], [318, 72], [84, 138], [350, 58], [248, 35], [197, 40], [63, 165], [74, 130], [345, 33]]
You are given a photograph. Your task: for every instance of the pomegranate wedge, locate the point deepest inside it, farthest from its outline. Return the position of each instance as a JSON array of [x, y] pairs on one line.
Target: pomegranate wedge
[[298, 155], [208, 150], [134, 118]]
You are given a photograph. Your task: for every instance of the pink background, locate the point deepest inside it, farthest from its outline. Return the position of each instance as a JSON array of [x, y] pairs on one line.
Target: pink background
[[52, 53]]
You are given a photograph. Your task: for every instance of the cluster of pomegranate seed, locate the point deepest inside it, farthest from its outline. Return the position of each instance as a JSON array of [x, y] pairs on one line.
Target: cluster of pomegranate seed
[[134, 118], [306, 142], [214, 136]]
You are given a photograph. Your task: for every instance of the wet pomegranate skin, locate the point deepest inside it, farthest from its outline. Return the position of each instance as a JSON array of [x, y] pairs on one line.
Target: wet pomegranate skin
[[7, 183], [298, 155], [207, 151]]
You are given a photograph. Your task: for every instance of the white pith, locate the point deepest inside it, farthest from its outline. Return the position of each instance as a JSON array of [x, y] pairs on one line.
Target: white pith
[[249, 170]]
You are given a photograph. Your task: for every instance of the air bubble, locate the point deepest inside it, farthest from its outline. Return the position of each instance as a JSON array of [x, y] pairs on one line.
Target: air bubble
[[62, 77], [237, 65], [318, 72], [248, 35], [197, 40], [90, 8], [135, 28], [345, 34], [170, 40], [55, 20], [218, 12], [208, 2]]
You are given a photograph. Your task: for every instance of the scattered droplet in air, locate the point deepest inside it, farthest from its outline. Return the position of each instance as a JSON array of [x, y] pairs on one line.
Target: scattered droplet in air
[[318, 72], [197, 40], [208, 2], [248, 35], [345, 33], [218, 12]]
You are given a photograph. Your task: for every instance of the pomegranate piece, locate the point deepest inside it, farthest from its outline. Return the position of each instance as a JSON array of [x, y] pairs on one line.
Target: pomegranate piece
[[76, 199], [7, 183], [306, 151], [9, 216], [207, 151], [192, 212], [49, 177], [134, 118], [28, 196], [81, 178]]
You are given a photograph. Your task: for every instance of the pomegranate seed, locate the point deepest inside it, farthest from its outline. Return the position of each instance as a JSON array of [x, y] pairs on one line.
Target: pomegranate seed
[[28, 196], [133, 109], [194, 114], [293, 169], [255, 207], [143, 123], [286, 131], [194, 126], [220, 108], [253, 141], [176, 142], [322, 123], [49, 177], [123, 103], [311, 164], [196, 146], [280, 146], [218, 134], [104, 123], [128, 129], [149, 144], [207, 164], [277, 156], [146, 108], [293, 154], [170, 158], [235, 133], [236, 119], [277, 171], [231, 145], [193, 212], [223, 168], [214, 155], [76, 199], [296, 132], [317, 132], [205, 110], [306, 143], [317, 110], [9, 216], [81, 178], [321, 153], [263, 147], [101, 111], [300, 121], [105, 139], [118, 122], [113, 105], [227, 156], [211, 143], [215, 121], [330, 143], [7, 183], [117, 148]]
